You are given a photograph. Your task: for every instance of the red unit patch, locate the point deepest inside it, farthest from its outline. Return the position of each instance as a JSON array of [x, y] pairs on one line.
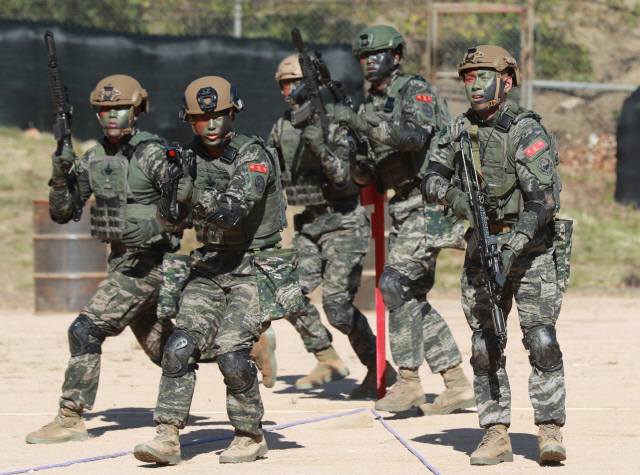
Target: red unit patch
[[535, 148], [258, 168], [423, 98]]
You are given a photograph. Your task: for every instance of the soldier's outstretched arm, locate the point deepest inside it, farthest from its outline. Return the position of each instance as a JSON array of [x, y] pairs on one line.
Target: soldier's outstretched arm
[[417, 122], [254, 175], [335, 159]]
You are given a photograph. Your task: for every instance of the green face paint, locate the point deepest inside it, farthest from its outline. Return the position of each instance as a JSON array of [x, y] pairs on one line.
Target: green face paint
[[115, 119], [214, 131], [481, 89]]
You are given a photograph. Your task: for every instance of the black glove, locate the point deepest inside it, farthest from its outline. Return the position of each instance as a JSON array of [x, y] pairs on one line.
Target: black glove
[[459, 201], [66, 159], [228, 215], [140, 231]]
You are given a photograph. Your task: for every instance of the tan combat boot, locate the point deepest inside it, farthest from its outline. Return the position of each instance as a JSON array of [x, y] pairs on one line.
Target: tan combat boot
[[368, 389], [263, 355], [494, 448], [163, 450], [458, 395], [330, 367], [552, 450], [66, 426], [405, 394], [244, 449]]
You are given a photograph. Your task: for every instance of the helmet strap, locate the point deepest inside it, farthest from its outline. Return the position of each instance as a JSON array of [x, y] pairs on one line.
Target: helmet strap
[[497, 98]]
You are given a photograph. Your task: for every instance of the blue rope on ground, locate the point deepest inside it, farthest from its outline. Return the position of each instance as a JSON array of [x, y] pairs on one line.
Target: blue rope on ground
[[402, 441], [184, 444]]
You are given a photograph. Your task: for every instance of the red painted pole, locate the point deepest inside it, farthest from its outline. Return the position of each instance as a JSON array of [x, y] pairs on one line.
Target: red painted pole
[[369, 195]]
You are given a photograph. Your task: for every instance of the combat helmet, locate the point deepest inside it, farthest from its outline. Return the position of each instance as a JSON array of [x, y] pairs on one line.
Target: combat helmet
[[379, 38], [490, 57], [289, 68], [209, 94], [120, 90]]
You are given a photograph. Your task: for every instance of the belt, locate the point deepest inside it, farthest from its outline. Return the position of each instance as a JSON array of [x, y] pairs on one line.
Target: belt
[[495, 228]]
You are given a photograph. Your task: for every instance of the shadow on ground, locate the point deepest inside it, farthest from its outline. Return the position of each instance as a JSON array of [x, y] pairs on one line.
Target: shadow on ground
[[334, 391], [467, 440]]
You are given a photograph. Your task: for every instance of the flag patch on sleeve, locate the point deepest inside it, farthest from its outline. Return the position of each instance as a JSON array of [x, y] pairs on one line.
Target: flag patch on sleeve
[[535, 148], [258, 168], [423, 98]]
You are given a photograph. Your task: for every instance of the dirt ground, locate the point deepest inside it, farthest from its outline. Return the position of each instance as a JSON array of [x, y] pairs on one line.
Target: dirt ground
[[598, 335]]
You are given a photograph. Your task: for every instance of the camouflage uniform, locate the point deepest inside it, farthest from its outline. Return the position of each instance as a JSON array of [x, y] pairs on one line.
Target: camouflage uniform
[[233, 287], [332, 236], [418, 232], [129, 294], [530, 164]]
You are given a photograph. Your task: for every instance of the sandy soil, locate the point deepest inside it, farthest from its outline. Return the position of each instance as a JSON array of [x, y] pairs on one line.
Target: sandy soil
[[598, 335]]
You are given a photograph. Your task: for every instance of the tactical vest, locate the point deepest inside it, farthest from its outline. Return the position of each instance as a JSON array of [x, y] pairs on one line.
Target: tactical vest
[[497, 150], [397, 169], [303, 179], [260, 227], [122, 190]]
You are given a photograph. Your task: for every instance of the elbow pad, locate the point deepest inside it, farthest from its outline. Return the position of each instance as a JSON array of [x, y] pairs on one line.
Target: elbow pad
[[412, 137], [228, 215], [542, 204]]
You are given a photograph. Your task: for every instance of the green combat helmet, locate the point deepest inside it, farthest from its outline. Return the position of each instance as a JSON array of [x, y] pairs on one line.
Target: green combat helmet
[[379, 38]]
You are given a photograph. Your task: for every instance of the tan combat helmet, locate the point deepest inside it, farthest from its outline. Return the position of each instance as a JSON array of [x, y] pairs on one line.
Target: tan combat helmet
[[490, 57], [209, 94], [120, 90], [289, 68]]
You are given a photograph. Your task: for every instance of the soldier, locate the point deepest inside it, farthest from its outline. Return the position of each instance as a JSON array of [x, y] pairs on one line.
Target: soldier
[[237, 206], [122, 172], [332, 236], [397, 121], [517, 159]]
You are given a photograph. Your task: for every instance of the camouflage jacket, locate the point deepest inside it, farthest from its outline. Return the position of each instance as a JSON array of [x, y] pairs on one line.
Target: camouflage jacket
[[523, 155]]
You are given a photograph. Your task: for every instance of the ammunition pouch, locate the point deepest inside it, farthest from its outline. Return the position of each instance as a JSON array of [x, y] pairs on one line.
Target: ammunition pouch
[[107, 219], [562, 231]]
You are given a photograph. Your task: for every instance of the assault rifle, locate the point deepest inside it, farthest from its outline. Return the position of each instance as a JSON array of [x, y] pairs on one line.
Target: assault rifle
[[63, 112], [177, 160], [490, 256], [316, 75]]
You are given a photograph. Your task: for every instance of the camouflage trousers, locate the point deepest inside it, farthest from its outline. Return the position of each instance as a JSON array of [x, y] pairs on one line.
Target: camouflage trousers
[[220, 310], [532, 281], [331, 249], [417, 331], [126, 297]]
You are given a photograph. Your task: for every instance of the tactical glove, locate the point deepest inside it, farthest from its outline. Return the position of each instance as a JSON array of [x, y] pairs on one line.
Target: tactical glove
[[508, 256], [187, 193], [313, 136], [459, 201], [140, 231], [346, 114], [66, 159]]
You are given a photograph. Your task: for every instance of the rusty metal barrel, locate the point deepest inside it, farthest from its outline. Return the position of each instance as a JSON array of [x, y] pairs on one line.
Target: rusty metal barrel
[[68, 263]]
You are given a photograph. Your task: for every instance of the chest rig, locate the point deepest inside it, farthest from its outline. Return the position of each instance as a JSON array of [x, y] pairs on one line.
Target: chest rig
[[267, 216], [396, 170], [494, 151], [121, 188], [303, 178]]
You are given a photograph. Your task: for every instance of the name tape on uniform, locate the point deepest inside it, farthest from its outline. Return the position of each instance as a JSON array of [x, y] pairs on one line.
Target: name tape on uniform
[[424, 98], [258, 168], [535, 148]]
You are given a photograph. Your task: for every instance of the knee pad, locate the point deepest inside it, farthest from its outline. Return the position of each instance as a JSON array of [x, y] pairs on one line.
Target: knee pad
[[79, 332], [239, 374], [485, 353], [175, 361], [544, 350], [390, 285], [341, 316]]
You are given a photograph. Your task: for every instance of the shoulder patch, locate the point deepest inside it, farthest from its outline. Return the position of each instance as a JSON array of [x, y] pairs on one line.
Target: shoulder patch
[[258, 168], [423, 98], [545, 166], [535, 148]]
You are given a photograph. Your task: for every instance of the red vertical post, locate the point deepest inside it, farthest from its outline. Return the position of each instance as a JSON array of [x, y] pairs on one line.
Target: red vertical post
[[369, 195]]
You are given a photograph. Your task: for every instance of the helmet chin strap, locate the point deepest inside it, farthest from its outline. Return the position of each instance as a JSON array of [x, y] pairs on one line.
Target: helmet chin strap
[[494, 102]]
